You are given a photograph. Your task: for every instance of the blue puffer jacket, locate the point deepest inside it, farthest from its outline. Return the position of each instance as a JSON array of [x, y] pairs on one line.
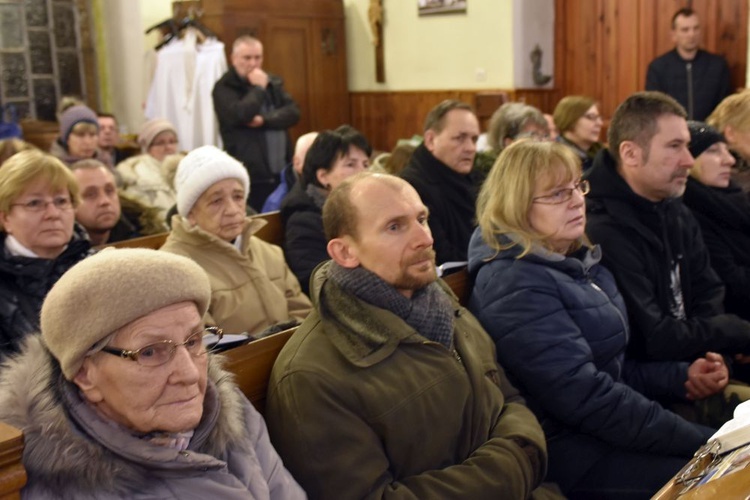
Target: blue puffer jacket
[[560, 327]]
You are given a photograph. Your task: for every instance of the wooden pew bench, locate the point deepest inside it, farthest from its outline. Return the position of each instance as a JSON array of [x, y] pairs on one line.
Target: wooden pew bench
[[251, 365], [12, 473]]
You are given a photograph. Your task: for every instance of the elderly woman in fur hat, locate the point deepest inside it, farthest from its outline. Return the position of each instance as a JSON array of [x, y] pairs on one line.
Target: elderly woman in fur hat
[[118, 397], [252, 286], [143, 176]]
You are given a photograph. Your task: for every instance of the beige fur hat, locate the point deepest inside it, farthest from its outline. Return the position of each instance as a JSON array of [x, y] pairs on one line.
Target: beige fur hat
[[108, 290]]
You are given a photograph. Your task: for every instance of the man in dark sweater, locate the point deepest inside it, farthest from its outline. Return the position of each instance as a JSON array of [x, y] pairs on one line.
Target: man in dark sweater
[[652, 243], [697, 79], [441, 171]]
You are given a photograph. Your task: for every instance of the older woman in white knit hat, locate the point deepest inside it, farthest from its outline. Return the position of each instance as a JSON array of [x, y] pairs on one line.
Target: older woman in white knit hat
[[252, 288], [118, 398], [143, 176]]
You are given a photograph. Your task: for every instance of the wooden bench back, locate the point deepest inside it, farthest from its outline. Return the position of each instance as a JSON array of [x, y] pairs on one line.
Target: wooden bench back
[[460, 284], [273, 231], [12, 473], [154, 241], [252, 363]]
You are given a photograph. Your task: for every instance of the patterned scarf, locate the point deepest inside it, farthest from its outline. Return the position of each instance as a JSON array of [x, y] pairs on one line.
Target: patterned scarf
[[429, 311]]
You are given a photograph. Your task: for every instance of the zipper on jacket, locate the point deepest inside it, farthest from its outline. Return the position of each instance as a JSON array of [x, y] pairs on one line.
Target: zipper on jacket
[[689, 67], [452, 350]]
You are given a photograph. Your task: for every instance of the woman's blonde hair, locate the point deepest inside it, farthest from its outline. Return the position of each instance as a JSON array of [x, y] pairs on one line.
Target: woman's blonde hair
[[26, 167], [734, 111], [506, 197]]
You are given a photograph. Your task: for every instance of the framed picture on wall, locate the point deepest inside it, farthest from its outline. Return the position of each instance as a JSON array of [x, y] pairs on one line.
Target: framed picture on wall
[[431, 7]]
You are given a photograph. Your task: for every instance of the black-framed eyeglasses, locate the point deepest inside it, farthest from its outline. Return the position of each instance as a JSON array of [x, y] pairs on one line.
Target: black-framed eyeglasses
[[564, 194], [162, 352]]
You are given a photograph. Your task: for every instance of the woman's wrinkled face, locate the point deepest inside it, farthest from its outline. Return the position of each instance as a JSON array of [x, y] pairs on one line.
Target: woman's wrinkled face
[[713, 167], [41, 219], [220, 210], [165, 398]]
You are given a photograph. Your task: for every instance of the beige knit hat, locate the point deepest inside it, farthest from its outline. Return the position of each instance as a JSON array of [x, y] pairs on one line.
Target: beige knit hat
[[151, 129], [108, 290]]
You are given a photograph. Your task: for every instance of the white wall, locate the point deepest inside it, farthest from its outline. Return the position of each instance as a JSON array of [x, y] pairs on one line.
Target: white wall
[[123, 56], [534, 23], [450, 51]]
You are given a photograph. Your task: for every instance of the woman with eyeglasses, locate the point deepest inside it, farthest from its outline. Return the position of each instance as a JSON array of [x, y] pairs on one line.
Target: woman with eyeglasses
[[561, 331], [252, 286], [118, 397], [144, 176], [579, 125], [39, 239]]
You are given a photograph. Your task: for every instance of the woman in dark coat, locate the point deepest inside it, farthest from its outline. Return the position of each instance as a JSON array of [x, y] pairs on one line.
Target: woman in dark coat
[[561, 330], [723, 211], [333, 156], [39, 239]]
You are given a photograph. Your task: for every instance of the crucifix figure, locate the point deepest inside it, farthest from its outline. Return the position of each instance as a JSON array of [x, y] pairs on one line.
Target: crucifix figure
[[375, 15]]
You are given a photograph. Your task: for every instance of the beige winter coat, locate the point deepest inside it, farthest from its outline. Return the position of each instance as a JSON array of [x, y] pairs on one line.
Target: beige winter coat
[[251, 289]]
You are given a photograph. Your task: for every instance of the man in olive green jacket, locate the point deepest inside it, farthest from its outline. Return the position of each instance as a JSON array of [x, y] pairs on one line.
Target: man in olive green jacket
[[390, 389]]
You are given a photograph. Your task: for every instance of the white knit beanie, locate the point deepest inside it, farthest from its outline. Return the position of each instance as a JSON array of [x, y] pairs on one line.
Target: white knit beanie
[[202, 168], [110, 289]]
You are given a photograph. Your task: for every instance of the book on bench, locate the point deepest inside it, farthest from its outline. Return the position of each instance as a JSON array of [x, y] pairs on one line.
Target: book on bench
[[735, 432]]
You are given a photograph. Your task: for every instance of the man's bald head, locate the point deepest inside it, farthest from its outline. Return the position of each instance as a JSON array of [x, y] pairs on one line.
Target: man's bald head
[[300, 151]]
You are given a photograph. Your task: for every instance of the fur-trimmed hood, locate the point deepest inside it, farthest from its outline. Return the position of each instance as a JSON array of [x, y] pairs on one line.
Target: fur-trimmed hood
[[69, 455]]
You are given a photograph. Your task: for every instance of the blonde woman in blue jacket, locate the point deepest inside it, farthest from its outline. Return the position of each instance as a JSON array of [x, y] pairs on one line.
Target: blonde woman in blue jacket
[[561, 331]]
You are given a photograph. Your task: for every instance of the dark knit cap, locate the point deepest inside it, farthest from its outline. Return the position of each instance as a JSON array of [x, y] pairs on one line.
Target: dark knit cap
[[702, 137], [74, 115]]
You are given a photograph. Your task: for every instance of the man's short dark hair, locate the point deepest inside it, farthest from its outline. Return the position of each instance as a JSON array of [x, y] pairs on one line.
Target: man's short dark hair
[[684, 12], [328, 147], [435, 120], [635, 120], [101, 114]]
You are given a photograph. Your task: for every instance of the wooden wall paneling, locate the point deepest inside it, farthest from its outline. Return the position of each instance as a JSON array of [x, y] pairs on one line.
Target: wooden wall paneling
[[287, 53], [605, 46], [386, 117], [327, 67], [543, 99], [731, 35]]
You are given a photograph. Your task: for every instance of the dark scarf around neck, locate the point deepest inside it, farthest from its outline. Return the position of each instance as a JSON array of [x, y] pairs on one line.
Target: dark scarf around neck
[[429, 311]]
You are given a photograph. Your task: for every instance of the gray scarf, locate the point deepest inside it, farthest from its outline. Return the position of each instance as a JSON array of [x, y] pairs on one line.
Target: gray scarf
[[429, 311]]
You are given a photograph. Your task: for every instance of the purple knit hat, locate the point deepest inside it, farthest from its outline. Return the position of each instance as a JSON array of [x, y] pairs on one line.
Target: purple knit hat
[[74, 115]]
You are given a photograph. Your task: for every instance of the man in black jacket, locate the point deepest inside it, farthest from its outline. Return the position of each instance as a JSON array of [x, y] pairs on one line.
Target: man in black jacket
[[441, 170], [254, 113], [697, 79], [651, 241]]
